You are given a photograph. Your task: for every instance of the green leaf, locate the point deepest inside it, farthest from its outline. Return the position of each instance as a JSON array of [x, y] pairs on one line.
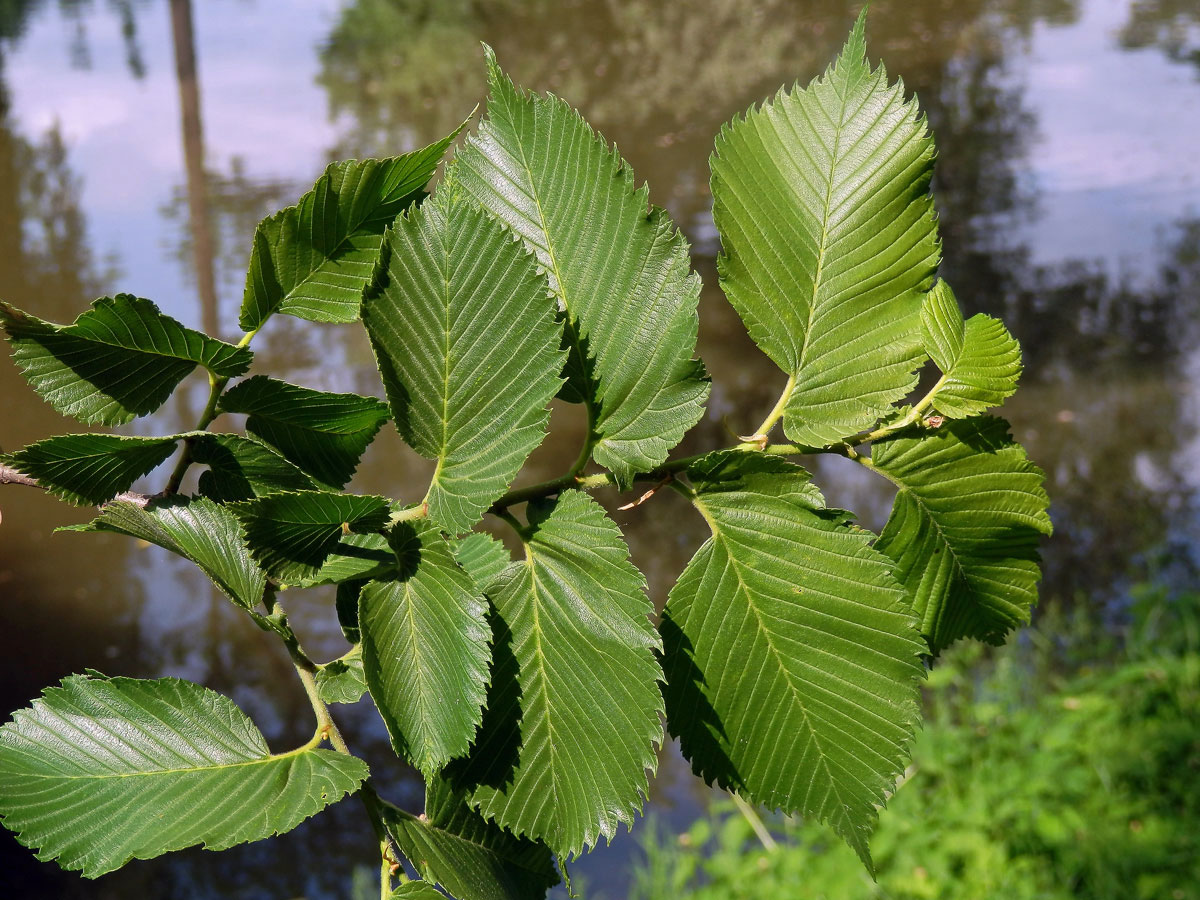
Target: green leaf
[[965, 527], [343, 679], [197, 529], [483, 557], [324, 434], [119, 360], [468, 345], [829, 240], [619, 269], [312, 260], [416, 890], [425, 649], [240, 468], [355, 557], [472, 858], [101, 771], [89, 469], [980, 360], [292, 534], [573, 711], [790, 653]]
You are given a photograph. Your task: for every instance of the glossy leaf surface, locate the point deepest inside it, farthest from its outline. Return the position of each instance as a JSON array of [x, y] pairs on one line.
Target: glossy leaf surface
[[89, 469]]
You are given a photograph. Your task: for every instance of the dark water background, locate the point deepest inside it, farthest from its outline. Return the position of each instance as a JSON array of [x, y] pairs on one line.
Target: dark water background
[[1068, 184]]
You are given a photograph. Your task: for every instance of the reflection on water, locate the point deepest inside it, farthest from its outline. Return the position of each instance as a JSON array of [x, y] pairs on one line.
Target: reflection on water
[[99, 193]]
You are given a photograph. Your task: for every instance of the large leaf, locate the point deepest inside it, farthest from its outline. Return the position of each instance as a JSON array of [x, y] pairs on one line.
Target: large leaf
[[573, 710], [240, 468], [790, 653], [324, 434], [292, 534], [619, 269], [829, 240], [119, 360], [470, 857], [100, 771], [197, 529], [965, 527], [425, 649], [313, 259], [979, 359], [468, 345], [88, 469]]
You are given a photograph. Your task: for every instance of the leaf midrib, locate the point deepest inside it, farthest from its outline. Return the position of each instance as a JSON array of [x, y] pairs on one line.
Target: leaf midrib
[[151, 773]]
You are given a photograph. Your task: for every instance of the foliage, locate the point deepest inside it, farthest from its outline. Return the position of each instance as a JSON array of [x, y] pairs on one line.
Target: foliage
[[530, 692], [1084, 790]]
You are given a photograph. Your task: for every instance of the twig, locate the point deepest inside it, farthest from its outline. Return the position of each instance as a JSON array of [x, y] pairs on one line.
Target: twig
[[9, 475]]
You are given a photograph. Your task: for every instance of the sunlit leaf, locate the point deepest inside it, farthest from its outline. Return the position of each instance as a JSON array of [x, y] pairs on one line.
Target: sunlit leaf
[[313, 259], [425, 649], [483, 557], [88, 469], [619, 268], [573, 709], [342, 680], [101, 771], [197, 529], [829, 240], [119, 360], [790, 654], [240, 468], [468, 345], [979, 359], [324, 434], [965, 527]]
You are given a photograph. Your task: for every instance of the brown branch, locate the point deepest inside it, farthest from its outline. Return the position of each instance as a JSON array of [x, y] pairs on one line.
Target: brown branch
[[9, 475]]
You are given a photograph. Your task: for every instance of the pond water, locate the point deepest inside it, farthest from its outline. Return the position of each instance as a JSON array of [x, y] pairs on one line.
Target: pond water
[[1068, 186]]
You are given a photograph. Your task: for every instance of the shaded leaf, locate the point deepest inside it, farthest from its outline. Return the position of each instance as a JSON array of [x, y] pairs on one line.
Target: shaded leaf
[[313, 259], [354, 557], [417, 890], [791, 656], [292, 534], [467, 342], [100, 771], [324, 434], [618, 267], [425, 649], [829, 240], [197, 529], [472, 858], [88, 469], [979, 359], [965, 527], [573, 711], [119, 360], [240, 468]]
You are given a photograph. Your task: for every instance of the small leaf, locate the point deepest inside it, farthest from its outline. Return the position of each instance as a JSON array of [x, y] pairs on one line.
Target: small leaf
[[618, 267], [483, 557], [416, 890], [468, 345], [240, 468], [791, 657], [829, 240], [980, 361], [573, 710], [324, 434], [425, 649], [89, 469], [343, 679], [292, 534], [313, 259], [119, 360], [197, 529], [472, 858], [965, 527], [101, 771]]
